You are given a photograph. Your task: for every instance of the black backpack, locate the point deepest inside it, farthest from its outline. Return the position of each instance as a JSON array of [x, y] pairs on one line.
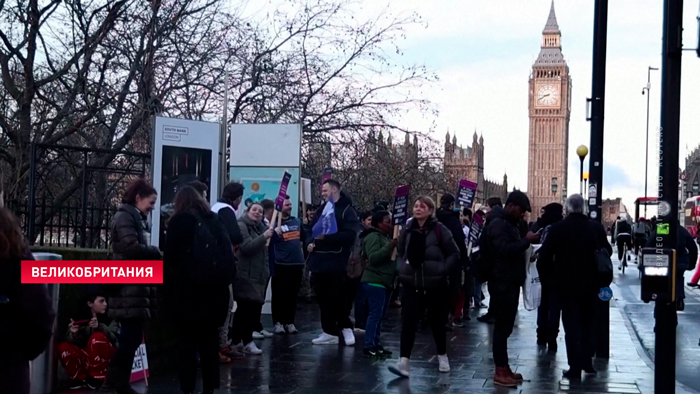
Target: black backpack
[[481, 262], [212, 263]]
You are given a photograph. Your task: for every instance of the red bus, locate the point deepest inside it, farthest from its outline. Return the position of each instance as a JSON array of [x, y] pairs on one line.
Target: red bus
[[692, 215]]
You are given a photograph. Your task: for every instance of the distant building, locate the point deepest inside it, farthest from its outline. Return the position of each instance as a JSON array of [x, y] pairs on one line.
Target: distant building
[[611, 210], [468, 163], [690, 177]]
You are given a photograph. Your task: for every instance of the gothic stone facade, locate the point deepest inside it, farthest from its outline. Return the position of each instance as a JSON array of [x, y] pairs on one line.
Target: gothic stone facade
[[550, 110], [468, 163], [691, 186]]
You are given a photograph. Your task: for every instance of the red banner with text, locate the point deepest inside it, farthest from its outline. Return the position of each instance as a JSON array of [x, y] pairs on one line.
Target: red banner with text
[[88, 271]]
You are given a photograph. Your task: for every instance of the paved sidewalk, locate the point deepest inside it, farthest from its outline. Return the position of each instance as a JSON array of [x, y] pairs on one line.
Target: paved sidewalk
[[641, 317], [290, 364]]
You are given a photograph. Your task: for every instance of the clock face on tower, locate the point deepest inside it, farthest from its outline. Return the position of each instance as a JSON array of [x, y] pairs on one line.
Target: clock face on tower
[[547, 95]]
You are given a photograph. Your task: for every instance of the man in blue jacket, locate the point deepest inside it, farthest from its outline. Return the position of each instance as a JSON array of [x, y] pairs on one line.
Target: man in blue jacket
[[328, 261]]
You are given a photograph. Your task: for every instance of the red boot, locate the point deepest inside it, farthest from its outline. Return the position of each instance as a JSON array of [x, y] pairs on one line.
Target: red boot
[[518, 377], [504, 378]]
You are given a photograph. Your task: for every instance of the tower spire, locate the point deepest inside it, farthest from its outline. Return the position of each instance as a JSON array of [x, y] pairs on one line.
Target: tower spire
[[552, 26]]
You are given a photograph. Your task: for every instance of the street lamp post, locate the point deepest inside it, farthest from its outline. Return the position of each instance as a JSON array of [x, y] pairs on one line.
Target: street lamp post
[[646, 91], [586, 175], [582, 152]]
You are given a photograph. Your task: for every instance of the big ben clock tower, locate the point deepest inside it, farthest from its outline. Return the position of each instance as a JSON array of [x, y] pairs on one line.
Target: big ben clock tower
[[550, 110]]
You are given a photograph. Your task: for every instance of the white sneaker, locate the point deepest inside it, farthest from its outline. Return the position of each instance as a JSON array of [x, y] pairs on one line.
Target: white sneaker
[[279, 329], [291, 329], [444, 363], [358, 330], [348, 336], [252, 348], [326, 339], [401, 368], [258, 335], [266, 334]]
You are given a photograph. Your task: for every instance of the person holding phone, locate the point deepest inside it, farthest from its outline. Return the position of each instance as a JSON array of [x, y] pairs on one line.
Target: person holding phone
[[253, 273], [90, 343]]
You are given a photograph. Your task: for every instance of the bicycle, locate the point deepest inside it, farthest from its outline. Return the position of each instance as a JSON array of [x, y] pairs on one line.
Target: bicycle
[[625, 257]]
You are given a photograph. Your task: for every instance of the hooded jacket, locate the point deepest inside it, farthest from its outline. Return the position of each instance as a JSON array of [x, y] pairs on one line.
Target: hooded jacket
[[332, 252], [440, 256], [495, 212], [377, 249], [203, 303], [567, 262], [451, 220], [507, 250], [253, 265], [227, 216]]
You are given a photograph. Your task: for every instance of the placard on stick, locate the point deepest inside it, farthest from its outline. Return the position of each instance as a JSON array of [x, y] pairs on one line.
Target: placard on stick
[[466, 192], [400, 211], [279, 201]]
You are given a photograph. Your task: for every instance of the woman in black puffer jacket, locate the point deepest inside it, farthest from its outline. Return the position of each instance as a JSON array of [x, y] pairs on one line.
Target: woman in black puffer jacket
[[131, 304], [426, 255]]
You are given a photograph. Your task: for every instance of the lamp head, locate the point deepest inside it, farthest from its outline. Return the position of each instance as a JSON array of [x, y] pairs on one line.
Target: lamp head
[[582, 151]]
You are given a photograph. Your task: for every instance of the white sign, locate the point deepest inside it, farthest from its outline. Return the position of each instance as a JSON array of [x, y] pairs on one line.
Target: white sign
[[306, 188], [139, 368], [592, 191], [184, 151], [266, 145]]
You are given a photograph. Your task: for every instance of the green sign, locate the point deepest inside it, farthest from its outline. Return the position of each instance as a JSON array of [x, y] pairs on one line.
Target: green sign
[[663, 229]]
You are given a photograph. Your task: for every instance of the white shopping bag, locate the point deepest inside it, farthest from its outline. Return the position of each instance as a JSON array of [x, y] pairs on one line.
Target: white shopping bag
[[532, 289]]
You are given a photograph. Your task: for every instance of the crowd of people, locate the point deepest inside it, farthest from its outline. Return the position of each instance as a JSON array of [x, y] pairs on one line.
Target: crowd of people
[[223, 255]]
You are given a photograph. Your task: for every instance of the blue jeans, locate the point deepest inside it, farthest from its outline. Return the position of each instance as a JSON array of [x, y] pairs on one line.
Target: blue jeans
[[378, 299]]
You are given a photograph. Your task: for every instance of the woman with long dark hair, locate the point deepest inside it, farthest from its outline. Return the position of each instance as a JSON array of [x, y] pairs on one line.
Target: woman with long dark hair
[[131, 304], [197, 282], [427, 254], [26, 314]]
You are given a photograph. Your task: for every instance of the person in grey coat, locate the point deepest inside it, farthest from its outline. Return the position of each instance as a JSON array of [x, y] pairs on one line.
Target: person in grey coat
[[251, 279]]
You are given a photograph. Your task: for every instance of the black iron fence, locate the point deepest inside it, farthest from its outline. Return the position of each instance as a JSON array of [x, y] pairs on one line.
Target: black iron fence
[[74, 192], [66, 227]]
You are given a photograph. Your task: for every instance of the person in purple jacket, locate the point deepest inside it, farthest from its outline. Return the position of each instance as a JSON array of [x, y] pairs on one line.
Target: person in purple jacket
[[25, 309]]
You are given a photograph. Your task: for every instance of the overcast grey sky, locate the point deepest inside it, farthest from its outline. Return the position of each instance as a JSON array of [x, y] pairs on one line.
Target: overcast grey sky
[[483, 52]]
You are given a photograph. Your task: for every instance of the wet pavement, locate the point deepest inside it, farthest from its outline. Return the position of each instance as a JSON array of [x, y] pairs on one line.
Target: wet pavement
[[641, 317], [291, 364]]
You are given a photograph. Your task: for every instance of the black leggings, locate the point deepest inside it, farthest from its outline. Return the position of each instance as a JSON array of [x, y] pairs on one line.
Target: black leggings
[[623, 240], [245, 321], [202, 337], [414, 303], [130, 339]]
